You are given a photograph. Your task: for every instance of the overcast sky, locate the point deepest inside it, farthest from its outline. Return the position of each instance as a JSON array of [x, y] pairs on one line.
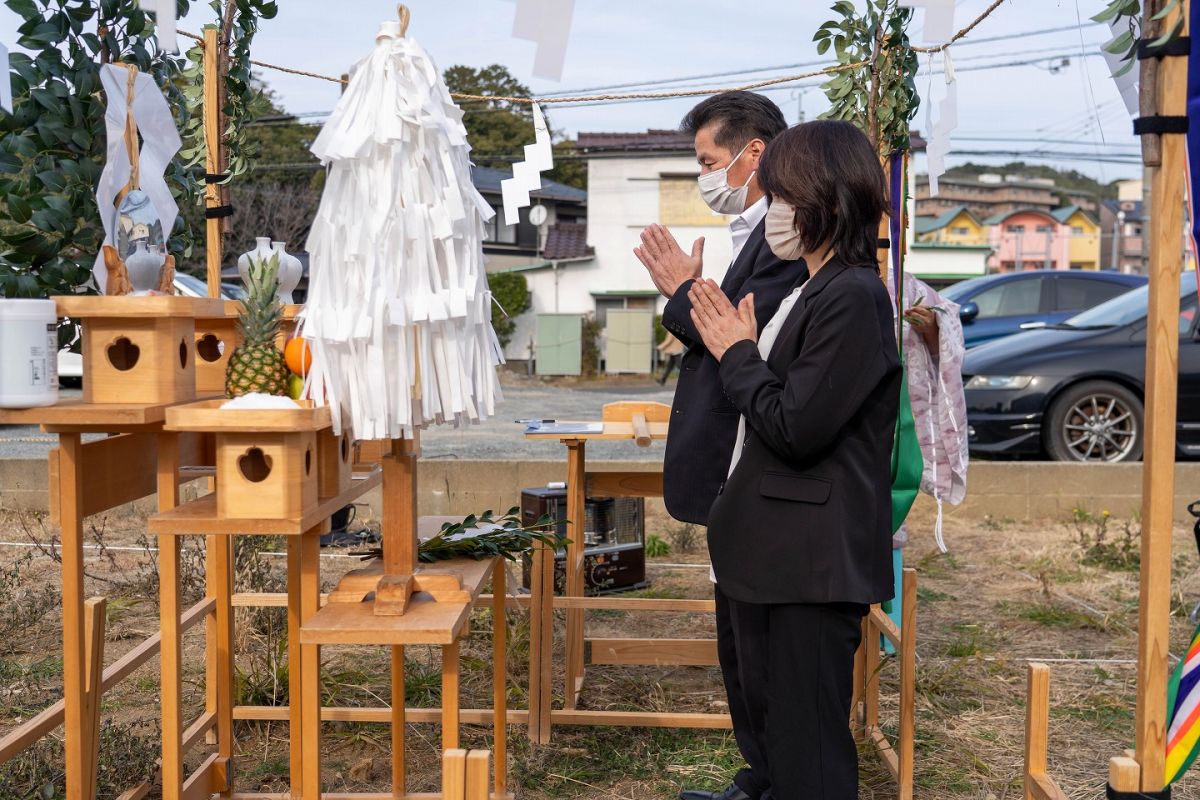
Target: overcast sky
[[1074, 113]]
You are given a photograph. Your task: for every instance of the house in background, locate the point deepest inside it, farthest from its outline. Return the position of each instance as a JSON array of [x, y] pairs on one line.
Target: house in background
[[1122, 223], [1083, 233], [957, 226], [991, 195], [518, 245]]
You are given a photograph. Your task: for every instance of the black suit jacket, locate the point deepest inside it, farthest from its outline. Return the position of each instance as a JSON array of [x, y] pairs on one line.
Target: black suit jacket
[[703, 420], [805, 517]]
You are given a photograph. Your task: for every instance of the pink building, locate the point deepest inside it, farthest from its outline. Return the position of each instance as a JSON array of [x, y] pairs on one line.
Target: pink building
[[1028, 239]]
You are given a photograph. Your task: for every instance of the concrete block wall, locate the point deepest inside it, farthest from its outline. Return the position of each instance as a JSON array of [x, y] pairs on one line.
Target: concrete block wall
[[1020, 491]]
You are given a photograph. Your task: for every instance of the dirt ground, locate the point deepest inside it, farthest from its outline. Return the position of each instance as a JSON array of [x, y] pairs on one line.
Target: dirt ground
[[1006, 594]]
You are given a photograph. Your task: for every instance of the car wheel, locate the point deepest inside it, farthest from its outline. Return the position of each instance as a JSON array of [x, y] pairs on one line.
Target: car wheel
[[1095, 421]]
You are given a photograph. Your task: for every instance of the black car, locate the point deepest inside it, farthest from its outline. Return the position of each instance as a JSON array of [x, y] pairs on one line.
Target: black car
[[1074, 390]]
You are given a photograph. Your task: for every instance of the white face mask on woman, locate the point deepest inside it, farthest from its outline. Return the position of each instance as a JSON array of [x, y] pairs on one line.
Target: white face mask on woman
[[780, 231], [718, 194]]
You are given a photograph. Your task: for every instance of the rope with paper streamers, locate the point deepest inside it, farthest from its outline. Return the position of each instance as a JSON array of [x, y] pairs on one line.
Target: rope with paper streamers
[[599, 98]]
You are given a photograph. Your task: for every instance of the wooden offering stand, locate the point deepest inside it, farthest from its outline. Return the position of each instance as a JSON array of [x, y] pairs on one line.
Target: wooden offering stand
[[267, 483], [140, 360], [394, 602], [628, 421]]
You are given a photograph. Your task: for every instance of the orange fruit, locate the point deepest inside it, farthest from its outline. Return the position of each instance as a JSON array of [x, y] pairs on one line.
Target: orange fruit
[[298, 356]]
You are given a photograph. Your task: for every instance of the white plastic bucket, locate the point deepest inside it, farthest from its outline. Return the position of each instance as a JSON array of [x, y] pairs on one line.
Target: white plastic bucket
[[28, 353]]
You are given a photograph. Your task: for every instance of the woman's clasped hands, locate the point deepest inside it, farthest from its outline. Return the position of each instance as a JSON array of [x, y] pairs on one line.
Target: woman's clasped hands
[[719, 323]]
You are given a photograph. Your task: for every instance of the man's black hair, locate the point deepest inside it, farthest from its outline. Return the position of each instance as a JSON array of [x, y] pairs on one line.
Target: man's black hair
[[739, 117]]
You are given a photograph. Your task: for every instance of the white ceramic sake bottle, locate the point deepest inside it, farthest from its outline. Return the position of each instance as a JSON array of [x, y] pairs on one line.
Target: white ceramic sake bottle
[[290, 272], [262, 250]]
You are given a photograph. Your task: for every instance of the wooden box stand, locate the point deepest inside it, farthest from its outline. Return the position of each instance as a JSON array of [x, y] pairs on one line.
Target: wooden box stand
[[138, 350], [335, 461]]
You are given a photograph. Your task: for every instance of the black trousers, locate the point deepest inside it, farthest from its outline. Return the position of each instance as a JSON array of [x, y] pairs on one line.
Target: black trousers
[[788, 673]]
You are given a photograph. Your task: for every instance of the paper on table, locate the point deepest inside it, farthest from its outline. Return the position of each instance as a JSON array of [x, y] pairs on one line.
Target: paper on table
[[259, 400], [566, 427]]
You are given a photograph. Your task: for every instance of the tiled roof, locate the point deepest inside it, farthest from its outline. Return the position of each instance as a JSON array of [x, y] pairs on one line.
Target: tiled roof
[[928, 224], [660, 140], [567, 240], [1066, 212], [487, 181], [1133, 209]]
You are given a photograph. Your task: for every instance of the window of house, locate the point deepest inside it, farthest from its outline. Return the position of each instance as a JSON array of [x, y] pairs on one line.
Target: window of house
[[1016, 228], [1010, 298], [1077, 230], [961, 231], [496, 232], [1043, 229]]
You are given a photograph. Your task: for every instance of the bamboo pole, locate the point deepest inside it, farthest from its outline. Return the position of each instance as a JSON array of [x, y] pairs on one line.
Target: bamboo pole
[[1158, 482], [212, 160]]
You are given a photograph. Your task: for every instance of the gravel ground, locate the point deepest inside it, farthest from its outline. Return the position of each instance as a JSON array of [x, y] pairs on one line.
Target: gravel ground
[[497, 438]]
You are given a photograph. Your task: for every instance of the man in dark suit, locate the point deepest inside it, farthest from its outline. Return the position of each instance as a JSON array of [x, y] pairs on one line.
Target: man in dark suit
[[730, 132]]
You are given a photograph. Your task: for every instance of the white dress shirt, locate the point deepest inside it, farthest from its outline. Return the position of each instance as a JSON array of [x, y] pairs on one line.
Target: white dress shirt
[[744, 223], [766, 341]]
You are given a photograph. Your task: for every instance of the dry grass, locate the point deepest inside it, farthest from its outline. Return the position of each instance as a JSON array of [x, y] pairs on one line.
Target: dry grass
[[1006, 595]]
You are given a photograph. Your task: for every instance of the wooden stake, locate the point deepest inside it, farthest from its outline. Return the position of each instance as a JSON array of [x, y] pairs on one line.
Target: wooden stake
[[93, 642], [310, 659], [450, 696], [171, 648], [212, 162], [399, 779], [577, 514], [500, 676], [908, 683], [69, 489], [295, 668], [1158, 474], [222, 581], [1037, 717]]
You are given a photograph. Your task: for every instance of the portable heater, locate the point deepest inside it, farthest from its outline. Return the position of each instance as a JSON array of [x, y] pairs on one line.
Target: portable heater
[[614, 539]]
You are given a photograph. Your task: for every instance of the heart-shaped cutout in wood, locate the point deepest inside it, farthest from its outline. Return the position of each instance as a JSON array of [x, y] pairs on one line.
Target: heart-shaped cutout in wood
[[255, 465], [123, 354]]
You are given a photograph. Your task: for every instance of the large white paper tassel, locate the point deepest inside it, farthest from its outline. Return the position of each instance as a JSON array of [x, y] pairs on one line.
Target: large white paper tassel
[[398, 312]]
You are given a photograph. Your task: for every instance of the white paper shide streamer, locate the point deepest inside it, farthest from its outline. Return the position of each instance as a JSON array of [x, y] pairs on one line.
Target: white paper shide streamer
[[164, 22], [548, 24], [539, 157], [937, 28], [6, 81], [398, 312]]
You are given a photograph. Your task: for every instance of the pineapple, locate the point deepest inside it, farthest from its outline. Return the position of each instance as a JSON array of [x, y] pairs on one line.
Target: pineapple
[[257, 365]]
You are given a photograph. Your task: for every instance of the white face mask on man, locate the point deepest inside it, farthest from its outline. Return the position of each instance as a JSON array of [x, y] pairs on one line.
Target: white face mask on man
[[718, 194], [780, 231]]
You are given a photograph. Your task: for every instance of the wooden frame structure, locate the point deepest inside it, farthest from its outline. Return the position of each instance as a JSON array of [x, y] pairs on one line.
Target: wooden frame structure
[[1038, 785], [898, 756]]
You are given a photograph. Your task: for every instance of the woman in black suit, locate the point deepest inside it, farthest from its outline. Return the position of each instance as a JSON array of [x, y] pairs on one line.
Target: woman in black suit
[[800, 535]]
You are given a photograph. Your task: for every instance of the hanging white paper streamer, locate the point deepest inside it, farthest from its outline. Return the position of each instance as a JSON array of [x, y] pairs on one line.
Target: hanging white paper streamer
[[527, 178], [398, 313], [939, 19], [548, 24], [160, 143], [938, 143], [6, 81], [164, 22], [1127, 84]]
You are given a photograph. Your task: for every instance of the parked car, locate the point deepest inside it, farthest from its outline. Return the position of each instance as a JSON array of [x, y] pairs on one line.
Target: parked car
[[70, 363], [1074, 390], [1000, 305]]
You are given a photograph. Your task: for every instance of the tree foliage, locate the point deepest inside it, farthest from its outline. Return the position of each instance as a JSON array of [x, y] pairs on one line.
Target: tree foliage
[[511, 291], [879, 97], [498, 130], [52, 146]]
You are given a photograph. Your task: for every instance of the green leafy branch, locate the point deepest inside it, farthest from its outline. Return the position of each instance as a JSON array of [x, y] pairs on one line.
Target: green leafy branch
[[879, 97], [487, 536], [1125, 43]]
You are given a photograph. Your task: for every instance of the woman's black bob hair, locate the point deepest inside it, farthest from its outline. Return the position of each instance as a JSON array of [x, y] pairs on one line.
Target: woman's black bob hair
[[829, 172]]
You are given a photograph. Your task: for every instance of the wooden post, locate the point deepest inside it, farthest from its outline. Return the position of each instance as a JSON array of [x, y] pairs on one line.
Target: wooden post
[[296, 709], [69, 488], [171, 648], [577, 514], [222, 582], [1037, 718], [450, 696], [500, 676], [212, 162], [477, 775], [93, 642], [399, 779], [908, 683], [1158, 474], [454, 774], [310, 661]]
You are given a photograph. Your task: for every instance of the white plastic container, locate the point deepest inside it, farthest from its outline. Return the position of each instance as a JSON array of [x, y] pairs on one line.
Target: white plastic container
[[28, 353]]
